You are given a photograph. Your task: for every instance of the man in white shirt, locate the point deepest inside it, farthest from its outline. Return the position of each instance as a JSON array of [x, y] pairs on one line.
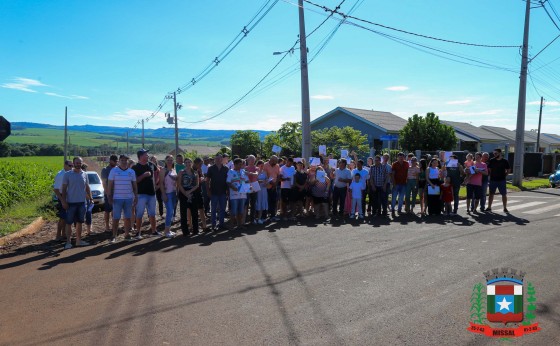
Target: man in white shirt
[[123, 195], [341, 177], [287, 173], [57, 189]]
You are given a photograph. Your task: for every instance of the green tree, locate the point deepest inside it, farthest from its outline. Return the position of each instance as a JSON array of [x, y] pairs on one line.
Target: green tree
[[4, 149], [245, 142], [336, 138], [427, 133], [288, 137]]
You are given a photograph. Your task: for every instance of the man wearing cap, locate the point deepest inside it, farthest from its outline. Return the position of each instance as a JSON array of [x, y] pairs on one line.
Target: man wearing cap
[[122, 194], [57, 189], [145, 172], [107, 207]]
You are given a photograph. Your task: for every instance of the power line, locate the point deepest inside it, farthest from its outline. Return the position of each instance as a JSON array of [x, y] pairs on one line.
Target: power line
[[289, 51], [549, 16], [407, 32], [255, 20], [545, 47]]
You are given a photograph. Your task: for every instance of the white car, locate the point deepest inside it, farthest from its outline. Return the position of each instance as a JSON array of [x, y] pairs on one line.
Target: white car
[[96, 188]]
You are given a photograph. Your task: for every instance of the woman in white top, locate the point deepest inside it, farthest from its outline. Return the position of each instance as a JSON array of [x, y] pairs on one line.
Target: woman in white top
[[168, 187]]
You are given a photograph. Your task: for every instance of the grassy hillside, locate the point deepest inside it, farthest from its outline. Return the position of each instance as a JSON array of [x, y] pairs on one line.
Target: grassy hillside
[[92, 139]]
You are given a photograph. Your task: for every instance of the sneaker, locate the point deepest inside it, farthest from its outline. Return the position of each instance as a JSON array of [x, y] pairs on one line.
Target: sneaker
[[82, 243], [114, 240], [488, 209], [68, 246], [156, 234], [138, 237], [506, 211], [127, 238], [169, 235], [351, 217]]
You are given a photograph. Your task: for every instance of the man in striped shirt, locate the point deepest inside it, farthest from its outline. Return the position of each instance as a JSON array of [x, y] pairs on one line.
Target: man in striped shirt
[[123, 195]]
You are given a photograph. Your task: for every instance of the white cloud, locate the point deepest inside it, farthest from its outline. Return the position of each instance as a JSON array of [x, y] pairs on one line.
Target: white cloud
[[322, 97], [71, 97], [397, 88], [458, 102], [192, 107], [23, 84]]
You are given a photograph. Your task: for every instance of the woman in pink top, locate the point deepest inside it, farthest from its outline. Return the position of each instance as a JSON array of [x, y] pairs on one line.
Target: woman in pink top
[[474, 187]]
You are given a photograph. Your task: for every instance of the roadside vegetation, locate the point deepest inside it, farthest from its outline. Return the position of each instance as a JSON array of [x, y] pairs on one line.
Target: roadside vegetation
[[25, 190]]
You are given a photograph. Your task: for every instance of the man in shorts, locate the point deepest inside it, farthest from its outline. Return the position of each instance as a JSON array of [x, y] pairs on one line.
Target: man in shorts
[[75, 191], [57, 189], [122, 194], [498, 169], [107, 207], [145, 172]]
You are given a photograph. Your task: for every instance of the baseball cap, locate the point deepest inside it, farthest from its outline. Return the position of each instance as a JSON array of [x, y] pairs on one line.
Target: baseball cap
[[142, 152]]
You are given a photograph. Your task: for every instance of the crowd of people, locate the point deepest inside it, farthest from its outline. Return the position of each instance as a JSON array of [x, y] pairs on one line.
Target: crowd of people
[[254, 191]]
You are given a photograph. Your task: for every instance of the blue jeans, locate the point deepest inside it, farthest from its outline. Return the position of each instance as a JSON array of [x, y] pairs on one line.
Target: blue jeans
[[218, 201], [170, 207], [399, 189], [121, 206], [411, 189]]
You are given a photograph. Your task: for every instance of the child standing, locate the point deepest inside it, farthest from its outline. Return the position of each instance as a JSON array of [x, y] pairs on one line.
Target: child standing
[[447, 194], [356, 189]]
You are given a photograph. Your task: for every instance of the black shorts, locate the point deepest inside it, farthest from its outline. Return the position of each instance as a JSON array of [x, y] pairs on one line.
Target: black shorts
[[286, 195], [107, 207], [60, 212], [319, 200], [421, 184]]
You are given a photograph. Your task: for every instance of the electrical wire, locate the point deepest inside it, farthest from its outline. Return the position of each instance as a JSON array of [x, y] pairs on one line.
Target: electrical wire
[[549, 16], [408, 32]]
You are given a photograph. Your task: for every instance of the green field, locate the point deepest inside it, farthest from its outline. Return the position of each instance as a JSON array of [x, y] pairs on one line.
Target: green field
[[92, 139], [25, 190]]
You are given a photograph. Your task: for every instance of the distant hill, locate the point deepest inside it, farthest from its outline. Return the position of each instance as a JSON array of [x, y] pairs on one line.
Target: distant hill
[[207, 135]]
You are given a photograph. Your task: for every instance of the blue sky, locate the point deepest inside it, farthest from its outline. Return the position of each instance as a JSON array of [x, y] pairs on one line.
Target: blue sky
[[113, 62]]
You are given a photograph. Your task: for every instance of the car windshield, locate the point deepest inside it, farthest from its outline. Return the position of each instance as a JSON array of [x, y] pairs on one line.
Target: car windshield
[[93, 179]]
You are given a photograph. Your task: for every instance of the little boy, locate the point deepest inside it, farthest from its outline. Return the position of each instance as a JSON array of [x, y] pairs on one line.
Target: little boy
[[357, 188]]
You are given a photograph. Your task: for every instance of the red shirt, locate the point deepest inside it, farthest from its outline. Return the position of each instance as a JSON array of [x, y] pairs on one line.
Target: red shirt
[[400, 171], [447, 193], [252, 169]]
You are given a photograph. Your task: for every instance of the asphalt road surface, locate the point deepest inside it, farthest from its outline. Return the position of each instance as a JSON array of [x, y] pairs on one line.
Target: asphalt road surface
[[404, 282]]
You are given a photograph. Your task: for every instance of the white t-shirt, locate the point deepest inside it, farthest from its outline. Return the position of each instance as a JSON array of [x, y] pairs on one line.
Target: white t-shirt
[[287, 172], [204, 169], [237, 178], [58, 180], [364, 173], [122, 182], [357, 188], [341, 174]]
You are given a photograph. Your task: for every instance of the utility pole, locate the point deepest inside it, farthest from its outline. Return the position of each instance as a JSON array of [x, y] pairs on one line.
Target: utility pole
[[65, 134], [520, 129], [176, 124], [305, 107], [143, 133], [539, 129]]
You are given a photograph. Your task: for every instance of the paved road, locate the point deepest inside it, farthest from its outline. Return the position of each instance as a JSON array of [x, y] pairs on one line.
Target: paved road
[[404, 283]]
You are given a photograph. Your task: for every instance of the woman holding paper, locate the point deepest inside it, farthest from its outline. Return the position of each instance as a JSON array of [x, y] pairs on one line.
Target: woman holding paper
[[262, 194], [237, 181], [433, 173], [319, 190]]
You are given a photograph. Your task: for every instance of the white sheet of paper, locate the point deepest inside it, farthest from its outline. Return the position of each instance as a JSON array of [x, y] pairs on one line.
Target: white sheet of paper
[[315, 161], [322, 150], [452, 163], [255, 186], [433, 190], [276, 149], [333, 162], [344, 153], [320, 176], [245, 188]]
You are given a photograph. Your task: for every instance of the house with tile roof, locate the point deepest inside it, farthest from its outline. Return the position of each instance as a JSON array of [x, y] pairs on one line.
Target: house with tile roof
[[377, 125], [478, 137], [530, 142]]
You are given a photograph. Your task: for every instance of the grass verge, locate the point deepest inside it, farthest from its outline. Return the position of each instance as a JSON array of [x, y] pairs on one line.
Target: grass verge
[[22, 214]]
